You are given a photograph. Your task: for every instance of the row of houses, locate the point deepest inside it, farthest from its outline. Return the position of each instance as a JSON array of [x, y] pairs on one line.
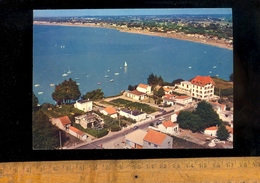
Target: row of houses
[[64, 124]]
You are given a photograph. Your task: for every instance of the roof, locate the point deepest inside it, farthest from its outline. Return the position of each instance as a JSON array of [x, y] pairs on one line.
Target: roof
[[155, 137], [83, 101], [182, 97], [166, 89], [212, 128], [110, 110], [143, 86], [65, 120], [202, 80], [216, 104], [168, 123], [135, 92], [81, 133], [168, 99], [136, 136]]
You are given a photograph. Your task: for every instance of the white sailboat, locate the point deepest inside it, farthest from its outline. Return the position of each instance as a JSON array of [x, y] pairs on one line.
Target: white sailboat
[[36, 85], [69, 71], [125, 64]]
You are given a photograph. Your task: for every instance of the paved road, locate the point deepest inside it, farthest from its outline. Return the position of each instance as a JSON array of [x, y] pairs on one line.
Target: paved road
[[116, 137]]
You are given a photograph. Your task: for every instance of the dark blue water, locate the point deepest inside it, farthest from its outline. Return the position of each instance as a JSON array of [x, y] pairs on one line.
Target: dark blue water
[[92, 53]]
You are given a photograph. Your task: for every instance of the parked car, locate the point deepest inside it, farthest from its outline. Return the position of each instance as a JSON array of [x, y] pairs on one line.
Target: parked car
[[135, 127], [158, 122]]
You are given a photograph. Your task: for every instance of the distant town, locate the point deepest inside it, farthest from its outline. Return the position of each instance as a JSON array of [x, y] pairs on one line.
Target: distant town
[[197, 113], [216, 30]]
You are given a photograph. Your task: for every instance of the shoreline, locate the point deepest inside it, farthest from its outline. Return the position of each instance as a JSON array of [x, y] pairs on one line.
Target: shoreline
[[179, 36]]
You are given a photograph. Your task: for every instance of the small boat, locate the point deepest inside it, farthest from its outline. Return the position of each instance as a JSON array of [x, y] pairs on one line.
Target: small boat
[[40, 93], [125, 64], [64, 74], [87, 76], [209, 71], [111, 80], [189, 67], [106, 76], [36, 85], [77, 78], [116, 73], [217, 75], [78, 83], [69, 71], [108, 70], [99, 83], [52, 84]]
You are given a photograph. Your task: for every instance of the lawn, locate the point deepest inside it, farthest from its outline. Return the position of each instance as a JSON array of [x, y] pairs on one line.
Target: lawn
[[220, 83], [133, 105]]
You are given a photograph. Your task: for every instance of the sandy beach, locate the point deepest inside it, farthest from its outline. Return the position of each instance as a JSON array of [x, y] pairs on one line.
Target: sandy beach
[[181, 36]]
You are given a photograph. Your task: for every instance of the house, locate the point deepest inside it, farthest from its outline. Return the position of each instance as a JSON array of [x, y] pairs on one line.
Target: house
[[211, 131], [183, 100], [62, 123], [77, 133], [154, 139], [169, 127], [109, 111], [134, 140], [144, 88], [84, 105], [167, 90], [174, 117], [200, 87], [133, 114], [218, 107], [88, 120], [135, 94], [170, 99]]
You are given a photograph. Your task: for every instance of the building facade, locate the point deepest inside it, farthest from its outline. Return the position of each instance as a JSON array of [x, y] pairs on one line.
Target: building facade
[[84, 105]]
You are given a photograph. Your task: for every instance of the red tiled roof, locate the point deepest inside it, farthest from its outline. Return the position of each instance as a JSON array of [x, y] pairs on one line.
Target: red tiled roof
[[135, 92], [77, 130], [212, 128], [110, 110], [202, 80], [168, 123], [65, 120], [142, 85], [155, 137], [182, 97]]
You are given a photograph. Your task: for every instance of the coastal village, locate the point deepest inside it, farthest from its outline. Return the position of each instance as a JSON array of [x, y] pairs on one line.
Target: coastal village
[[203, 29], [153, 130], [148, 115]]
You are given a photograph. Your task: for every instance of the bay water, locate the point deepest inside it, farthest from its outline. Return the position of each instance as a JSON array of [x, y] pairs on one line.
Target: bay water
[[95, 58]]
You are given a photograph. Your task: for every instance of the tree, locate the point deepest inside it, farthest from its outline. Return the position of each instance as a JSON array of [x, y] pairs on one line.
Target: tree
[[66, 91], [208, 116], [45, 135], [177, 81], [222, 132], [188, 120], [131, 88], [35, 101], [94, 95], [159, 93], [231, 78]]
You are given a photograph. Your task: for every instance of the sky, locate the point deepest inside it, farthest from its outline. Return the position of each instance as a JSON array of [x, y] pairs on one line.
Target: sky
[[116, 12]]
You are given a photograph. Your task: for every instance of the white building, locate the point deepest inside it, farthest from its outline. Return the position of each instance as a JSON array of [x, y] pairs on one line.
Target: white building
[[133, 114], [144, 88], [169, 127], [135, 94], [109, 111], [174, 117], [86, 120], [154, 140], [62, 123], [77, 133], [134, 140], [200, 87], [211, 131], [84, 105], [170, 99]]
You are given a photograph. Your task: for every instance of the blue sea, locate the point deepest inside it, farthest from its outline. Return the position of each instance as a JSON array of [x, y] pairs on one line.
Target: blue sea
[[93, 53]]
